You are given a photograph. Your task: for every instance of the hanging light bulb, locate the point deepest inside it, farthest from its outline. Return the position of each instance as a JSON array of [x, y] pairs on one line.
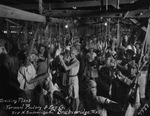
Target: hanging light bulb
[[105, 23], [75, 21], [66, 26], [74, 8]]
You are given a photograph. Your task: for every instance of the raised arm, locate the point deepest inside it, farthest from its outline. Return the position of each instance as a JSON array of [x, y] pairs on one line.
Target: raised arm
[[38, 78], [31, 45]]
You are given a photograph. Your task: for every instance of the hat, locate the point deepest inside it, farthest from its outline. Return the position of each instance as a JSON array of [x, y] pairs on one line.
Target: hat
[[67, 48], [129, 47], [77, 44], [2, 42], [91, 84], [74, 51]]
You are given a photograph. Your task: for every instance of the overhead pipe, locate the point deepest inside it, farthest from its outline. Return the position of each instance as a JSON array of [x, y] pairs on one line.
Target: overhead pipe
[[12, 22]]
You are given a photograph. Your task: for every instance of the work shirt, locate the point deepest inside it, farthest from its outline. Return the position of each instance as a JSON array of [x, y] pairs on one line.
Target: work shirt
[[73, 80], [26, 74], [75, 69]]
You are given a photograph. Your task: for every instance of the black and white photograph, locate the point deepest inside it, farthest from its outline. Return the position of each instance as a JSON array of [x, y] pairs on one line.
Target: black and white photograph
[[74, 57]]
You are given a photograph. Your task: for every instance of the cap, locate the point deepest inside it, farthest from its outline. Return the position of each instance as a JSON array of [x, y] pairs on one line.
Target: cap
[[130, 47], [74, 51], [2, 42], [67, 48], [91, 84]]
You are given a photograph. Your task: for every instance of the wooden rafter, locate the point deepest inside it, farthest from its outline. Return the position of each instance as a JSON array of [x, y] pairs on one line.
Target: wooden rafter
[[137, 23], [9, 12], [72, 13], [136, 13], [72, 4], [115, 2], [141, 13]]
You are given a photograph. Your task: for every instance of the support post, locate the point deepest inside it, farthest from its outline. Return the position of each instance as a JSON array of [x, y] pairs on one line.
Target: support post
[[40, 6], [26, 32], [106, 4], [8, 35], [118, 27], [118, 33], [109, 28], [50, 33]]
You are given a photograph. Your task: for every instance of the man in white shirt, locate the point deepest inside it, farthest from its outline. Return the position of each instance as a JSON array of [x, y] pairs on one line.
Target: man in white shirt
[[28, 78], [2, 47], [73, 69], [90, 70], [96, 103]]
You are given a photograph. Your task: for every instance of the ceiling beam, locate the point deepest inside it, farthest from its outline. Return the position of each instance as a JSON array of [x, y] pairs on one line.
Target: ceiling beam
[[141, 13], [75, 4], [71, 4], [56, 20], [13, 13], [114, 2], [72, 13], [56, 5], [27, 6], [137, 23], [89, 3], [136, 13]]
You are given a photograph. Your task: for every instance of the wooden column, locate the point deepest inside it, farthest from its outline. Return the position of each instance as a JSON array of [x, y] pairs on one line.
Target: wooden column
[[118, 27], [50, 28], [40, 12], [106, 4], [50, 33], [8, 36], [101, 26], [108, 29], [26, 31], [118, 32], [40, 6]]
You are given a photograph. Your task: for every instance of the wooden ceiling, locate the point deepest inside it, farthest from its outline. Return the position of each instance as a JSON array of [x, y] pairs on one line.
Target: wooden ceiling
[[82, 8], [65, 9]]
